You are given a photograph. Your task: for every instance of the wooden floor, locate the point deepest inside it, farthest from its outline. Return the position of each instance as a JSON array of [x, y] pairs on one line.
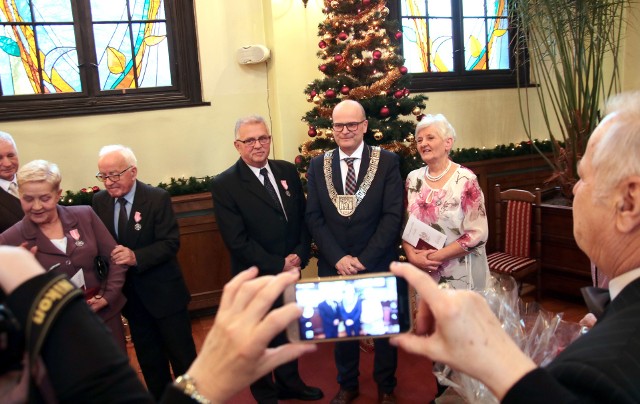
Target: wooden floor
[[573, 311]]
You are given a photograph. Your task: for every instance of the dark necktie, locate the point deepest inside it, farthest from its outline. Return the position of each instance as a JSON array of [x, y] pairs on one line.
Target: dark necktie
[[122, 220], [350, 183], [270, 190], [596, 299]]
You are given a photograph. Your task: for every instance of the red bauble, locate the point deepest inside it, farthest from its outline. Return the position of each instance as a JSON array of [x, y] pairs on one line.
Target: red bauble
[[406, 92], [323, 68], [398, 94], [330, 93], [403, 70], [419, 117], [384, 112], [345, 90], [343, 36], [398, 35], [338, 58], [83, 190], [95, 188], [313, 93], [312, 132], [322, 44], [366, 2], [377, 54], [298, 159]]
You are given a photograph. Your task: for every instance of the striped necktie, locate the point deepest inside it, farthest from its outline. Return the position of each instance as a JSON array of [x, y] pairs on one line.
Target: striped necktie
[[13, 189], [350, 183]]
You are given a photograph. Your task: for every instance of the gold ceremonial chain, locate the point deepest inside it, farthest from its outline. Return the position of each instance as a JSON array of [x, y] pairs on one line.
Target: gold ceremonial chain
[[347, 204]]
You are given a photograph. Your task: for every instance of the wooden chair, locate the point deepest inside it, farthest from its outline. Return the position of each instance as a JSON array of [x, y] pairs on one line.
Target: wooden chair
[[518, 239]]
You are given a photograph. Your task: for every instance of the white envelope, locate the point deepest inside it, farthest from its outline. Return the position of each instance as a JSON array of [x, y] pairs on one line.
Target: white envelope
[[415, 230], [78, 279]]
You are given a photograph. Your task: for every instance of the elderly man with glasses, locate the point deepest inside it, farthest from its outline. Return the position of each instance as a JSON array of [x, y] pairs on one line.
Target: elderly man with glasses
[[259, 205], [141, 219]]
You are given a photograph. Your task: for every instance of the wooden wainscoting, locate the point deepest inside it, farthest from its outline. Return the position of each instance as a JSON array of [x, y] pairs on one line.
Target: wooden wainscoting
[[203, 257]]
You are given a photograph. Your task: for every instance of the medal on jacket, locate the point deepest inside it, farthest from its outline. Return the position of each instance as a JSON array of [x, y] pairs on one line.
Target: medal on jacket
[[76, 236], [347, 204], [137, 217]]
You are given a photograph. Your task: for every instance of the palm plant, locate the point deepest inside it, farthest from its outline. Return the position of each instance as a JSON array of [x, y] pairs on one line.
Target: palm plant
[[573, 48]]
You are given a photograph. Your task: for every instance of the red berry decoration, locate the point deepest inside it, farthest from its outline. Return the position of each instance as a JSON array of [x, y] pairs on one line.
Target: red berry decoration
[[322, 44], [384, 112], [83, 190], [312, 132], [323, 68], [398, 94], [345, 90], [343, 36], [95, 188], [330, 93], [398, 35], [403, 70], [377, 54], [298, 160], [338, 58]]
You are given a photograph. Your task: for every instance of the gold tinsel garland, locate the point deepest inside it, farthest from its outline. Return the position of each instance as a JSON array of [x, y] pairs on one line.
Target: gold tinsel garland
[[377, 87]]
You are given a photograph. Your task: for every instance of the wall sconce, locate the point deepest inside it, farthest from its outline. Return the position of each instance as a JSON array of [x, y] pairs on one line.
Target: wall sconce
[[305, 3]]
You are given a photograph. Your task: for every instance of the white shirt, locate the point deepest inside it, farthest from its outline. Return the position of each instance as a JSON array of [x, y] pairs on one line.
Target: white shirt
[[5, 184], [621, 281], [357, 154], [272, 180]]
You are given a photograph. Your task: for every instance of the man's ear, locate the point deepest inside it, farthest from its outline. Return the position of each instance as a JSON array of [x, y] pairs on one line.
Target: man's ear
[[628, 205]]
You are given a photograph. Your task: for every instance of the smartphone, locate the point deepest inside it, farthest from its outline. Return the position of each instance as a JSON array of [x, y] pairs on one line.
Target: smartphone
[[350, 307]]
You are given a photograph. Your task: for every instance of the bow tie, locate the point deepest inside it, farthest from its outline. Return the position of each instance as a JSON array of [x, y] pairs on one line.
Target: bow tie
[[596, 299]]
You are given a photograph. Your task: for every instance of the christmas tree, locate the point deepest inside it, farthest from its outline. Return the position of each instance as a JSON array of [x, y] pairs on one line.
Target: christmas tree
[[360, 61]]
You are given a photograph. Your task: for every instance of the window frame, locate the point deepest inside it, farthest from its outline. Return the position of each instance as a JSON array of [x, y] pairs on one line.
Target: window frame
[[186, 90], [461, 79]]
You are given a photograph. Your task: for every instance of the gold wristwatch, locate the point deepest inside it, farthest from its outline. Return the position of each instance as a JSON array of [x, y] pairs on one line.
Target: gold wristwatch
[[187, 385]]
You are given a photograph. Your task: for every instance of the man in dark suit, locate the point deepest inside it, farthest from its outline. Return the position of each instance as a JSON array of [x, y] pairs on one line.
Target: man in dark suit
[[259, 206], [354, 215], [602, 366], [329, 311], [141, 219], [10, 209]]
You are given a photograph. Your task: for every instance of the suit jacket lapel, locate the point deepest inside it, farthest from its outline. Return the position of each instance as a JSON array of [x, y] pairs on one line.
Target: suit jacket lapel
[[252, 184], [280, 177], [140, 203], [32, 232], [336, 172], [69, 222]]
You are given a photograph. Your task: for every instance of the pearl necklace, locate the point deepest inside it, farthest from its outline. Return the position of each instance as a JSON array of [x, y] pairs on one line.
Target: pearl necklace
[[438, 177]]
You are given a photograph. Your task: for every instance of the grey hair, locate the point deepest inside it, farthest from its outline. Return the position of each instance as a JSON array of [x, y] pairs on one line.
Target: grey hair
[[5, 137], [618, 152], [124, 151], [252, 119], [39, 171], [442, 125]]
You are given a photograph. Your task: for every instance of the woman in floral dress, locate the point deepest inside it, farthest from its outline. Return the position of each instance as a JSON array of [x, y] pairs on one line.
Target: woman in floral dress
[[447, 197]]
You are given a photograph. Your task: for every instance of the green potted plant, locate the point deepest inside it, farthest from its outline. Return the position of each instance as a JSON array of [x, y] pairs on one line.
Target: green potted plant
[[573, 49]]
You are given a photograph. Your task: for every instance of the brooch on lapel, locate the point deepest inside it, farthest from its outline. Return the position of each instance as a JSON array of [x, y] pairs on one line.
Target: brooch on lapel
[[137, 217], [286, 187], [76, 236]]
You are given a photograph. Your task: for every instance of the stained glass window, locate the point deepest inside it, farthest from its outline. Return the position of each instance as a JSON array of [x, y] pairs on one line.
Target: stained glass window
[[99, 55], [463, 43]]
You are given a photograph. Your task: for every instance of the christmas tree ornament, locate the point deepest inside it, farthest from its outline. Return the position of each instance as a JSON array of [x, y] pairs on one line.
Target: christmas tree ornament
[[312, 132], [320, 132], [398, 94], [338, 58], [384, 111], [327, 37], [356, 62], [309, 98], [385, 41], [410, 138], [323, 68], [335, 4], [313, 93], [330, 93], [343, 36], [377, 54], [298, 160], [377, 135], [322, 44], [419, 117], [317, 100], [384, 12], [416, 111], [366, 3], [403, 70], [398, 35], [345, 90], [406, 92]]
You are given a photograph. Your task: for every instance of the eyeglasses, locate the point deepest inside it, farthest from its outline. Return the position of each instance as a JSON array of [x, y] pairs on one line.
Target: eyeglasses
[[351, 126], [252, 141], [113, 177]]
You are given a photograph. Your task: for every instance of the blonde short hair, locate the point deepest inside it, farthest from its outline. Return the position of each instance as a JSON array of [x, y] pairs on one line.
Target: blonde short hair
[[39, 171]]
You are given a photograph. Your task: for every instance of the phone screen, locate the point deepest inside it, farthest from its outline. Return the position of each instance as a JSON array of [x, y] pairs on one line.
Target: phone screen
[[359, 307]]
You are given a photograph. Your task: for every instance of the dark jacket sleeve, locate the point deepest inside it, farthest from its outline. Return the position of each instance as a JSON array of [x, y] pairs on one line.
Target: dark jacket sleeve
[[84, 363]]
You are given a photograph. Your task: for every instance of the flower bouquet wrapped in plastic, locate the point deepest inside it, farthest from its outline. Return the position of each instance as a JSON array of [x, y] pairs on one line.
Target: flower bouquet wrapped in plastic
[[540, 334]]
